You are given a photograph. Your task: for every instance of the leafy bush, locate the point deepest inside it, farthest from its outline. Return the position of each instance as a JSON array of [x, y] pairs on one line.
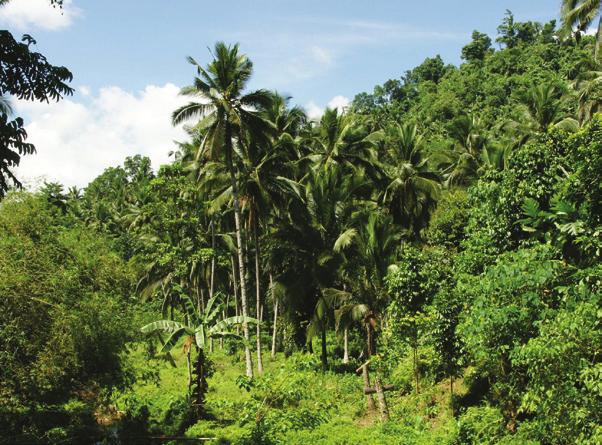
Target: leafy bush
[[482, 425], [65, 309], [564, 393]]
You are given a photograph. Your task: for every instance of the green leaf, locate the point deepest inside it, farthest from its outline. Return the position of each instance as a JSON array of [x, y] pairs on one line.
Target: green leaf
[[172, 340], [163, 325], [344, 240], [199, 337]]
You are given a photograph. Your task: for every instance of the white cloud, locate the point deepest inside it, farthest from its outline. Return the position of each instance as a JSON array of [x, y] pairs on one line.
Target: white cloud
[[25, 14], [314, 111], [339, 102], [84, 90], [76, 141]]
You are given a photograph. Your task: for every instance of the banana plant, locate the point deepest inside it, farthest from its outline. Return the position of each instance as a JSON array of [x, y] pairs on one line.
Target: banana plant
[[197, 329]]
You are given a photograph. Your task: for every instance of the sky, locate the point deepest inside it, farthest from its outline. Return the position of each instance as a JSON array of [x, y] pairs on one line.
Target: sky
[[128, 58]]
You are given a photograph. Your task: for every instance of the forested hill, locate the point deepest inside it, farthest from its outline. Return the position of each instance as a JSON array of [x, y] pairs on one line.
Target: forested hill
[[422, 267]]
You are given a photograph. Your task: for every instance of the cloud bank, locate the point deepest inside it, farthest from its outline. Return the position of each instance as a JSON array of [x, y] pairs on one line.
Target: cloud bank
[[315, 112], [77, 139], [26, 14]]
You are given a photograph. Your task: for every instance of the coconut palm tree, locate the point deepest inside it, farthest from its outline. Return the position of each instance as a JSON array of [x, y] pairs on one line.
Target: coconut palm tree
[[588, 86], [412, 187], [542, 105], [341, 140], [265, 188], [460, 164], [374, 246], [229, 118], [288, 121], [577, 15], [304, 241]]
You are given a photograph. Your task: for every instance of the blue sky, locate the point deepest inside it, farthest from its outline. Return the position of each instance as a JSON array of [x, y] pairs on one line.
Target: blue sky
[[312, 50]]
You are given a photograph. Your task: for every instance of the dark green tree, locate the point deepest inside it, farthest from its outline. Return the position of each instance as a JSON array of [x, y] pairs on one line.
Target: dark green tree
[[26, 75], [478, 48]]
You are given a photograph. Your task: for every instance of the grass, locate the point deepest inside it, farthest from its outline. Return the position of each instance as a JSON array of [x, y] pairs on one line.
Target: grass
[[293, 402]]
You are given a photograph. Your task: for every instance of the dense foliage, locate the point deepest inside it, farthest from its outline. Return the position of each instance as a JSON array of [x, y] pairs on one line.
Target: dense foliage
[[442, 236], [67, 306]]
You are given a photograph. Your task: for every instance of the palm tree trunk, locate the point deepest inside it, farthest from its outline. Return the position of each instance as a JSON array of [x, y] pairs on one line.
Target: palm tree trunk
[[382, 401], [243, 290], [275, 325], [212, 276], [346, 345], [239, 251], [370, 339], [197, 291], [323, 355], [370, 351], [258, 308], [202, 302], [598, 40], [366, 376], [224, 316], [378, 386], [235, 286], [212, 279]]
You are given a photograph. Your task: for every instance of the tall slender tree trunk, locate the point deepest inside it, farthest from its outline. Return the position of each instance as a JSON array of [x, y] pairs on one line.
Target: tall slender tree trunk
[[378, 386], [275, 325], [224, 316], [212, 274], [212, 279], [235, 287], [197, 290], [323, 355], [346, 345], [598, 40], [258, 301], [243, 290], [202, 301], [382, 401], [370, 399], [239, 250], [371, 404], [369, 339]]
